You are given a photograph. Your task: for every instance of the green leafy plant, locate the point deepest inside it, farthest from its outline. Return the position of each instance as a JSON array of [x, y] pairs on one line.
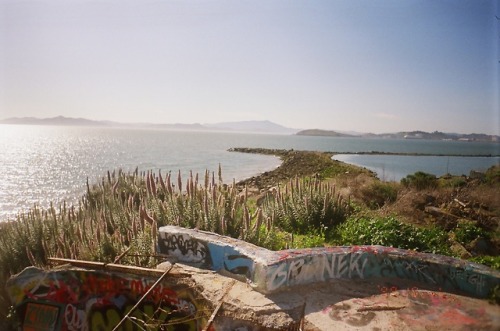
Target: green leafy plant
[[466, 231], [389, 231], [492, 175], [420, 181]]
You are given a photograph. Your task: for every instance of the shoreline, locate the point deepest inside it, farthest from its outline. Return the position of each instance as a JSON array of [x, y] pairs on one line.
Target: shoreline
[[278, 152], [296, 164], [414, 154]]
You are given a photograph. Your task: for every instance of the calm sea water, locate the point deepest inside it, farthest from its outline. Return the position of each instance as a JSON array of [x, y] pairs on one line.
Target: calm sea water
[[40, 164]]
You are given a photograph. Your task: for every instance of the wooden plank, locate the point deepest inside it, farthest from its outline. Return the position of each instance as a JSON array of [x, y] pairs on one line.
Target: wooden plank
[[78, 263], [116, 267]]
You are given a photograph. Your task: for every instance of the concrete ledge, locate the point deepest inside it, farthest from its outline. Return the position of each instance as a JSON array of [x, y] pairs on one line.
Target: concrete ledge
[[269, 271]]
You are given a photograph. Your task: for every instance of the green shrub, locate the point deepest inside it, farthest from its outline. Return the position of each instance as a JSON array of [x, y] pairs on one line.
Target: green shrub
[[391, 232], [466, 231], [379, 193], [420, 181], [453, 182], [492, 175]]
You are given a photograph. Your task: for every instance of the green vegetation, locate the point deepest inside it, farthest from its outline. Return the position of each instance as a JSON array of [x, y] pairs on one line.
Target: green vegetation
[[466, 231], [379, 193], [305, 206], [453, 182], [388, 231], [420, 181], [122, 214], [124, 211], [492, 176]]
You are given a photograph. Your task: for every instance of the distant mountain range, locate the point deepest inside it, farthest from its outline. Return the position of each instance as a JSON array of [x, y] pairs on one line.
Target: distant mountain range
[[242, 126], [250, 126]]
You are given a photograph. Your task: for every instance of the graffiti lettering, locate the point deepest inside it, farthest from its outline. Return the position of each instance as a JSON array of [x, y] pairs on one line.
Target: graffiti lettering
[[317, 268], [74, 318], [460, 274], [407, 269], [184, 247], [97, 285]]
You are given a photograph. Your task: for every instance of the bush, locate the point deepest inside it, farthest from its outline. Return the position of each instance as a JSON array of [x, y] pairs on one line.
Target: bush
[[420, 181], [453, 182], [466, 231], [492, 175], [379, 193], [391, 232]]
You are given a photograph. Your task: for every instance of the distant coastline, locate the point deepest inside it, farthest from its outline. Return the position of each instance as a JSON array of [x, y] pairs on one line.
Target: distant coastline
[[254, 127], [436, 135]]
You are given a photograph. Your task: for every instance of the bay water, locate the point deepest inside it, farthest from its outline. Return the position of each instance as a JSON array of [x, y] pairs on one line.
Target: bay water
[[43, 164]]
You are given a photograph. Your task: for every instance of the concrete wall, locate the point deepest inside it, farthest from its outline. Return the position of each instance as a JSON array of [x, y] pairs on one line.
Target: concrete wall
[[271, 271], [77, 299]]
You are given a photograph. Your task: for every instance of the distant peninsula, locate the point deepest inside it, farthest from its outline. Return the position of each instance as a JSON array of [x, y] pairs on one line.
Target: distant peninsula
[[436, 135], [324, 133]]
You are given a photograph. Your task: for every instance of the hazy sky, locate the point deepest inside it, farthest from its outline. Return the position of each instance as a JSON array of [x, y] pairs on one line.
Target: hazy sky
[[362, 65]]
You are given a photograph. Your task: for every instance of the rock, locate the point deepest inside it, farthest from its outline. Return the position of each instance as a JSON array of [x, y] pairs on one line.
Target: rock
[[480, 246], [459, 250]]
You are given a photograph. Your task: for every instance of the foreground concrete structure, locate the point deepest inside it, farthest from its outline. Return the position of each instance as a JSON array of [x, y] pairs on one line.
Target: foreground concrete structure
[[218, 283], [269, 271]]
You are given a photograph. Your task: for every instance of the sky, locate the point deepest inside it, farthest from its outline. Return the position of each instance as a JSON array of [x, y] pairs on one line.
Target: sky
[[349, 65]]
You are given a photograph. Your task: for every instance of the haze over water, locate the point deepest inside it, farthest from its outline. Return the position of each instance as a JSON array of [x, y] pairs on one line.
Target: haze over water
[[40, 164]]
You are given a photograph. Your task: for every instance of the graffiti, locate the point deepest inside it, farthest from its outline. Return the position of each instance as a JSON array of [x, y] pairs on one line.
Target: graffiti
[[184, 247], [409, 269], [269, 271], [460, 274], [237, 264], [316, 268], [95, 300], [106, 318], [40, 317], [344, 312], [74, 318]]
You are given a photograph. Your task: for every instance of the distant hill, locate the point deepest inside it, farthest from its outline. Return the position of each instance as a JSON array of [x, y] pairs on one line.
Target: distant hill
[[243, 126], [325, 133], [59, 120], [436, 135], [252, 126]]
